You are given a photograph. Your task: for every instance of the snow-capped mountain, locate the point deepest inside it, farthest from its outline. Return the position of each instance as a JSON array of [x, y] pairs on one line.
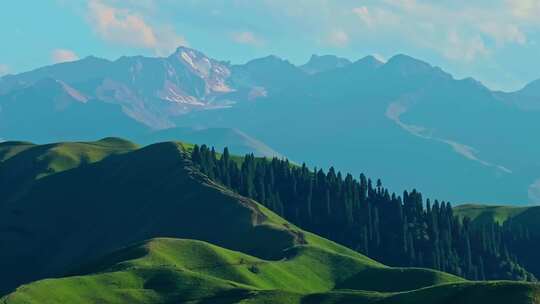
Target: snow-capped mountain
[[149, 90]]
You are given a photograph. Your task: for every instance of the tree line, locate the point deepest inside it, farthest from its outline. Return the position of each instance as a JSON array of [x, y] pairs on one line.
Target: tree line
[[397, 230]]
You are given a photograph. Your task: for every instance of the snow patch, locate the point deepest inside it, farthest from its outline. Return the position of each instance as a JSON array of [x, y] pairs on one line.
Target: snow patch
[[173, 96], [212, 72], [187, 59]]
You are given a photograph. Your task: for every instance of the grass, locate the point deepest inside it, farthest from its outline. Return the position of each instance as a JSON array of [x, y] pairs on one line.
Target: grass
[[195, 241], [526, 216], [49, 225], [59, 157], [168, 270], [481, 214], [22, 164]]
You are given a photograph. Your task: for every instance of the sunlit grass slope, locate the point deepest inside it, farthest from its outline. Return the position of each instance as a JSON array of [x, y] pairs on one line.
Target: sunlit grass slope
[[186, 271], [487, 213], [22, 163], [526, 216]]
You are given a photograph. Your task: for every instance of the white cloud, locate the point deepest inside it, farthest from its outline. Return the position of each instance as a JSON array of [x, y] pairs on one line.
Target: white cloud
[[125, 27], [63, 55], [248, 38], [337, 38], [4, 69], [503, 33], [457, 32], [462, 48]]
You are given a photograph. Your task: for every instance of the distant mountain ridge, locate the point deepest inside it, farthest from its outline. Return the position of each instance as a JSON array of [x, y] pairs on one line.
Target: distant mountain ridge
[[404, 115], [401, 116], [318, 64]]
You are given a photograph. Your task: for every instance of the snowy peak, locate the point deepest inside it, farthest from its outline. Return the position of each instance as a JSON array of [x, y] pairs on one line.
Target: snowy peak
[[212, 72]]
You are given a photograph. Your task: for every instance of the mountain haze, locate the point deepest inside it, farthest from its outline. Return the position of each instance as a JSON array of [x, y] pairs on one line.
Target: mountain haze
[[403, 119]]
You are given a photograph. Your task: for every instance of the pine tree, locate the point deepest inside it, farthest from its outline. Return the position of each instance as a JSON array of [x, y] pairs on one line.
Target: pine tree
[[399, 231]]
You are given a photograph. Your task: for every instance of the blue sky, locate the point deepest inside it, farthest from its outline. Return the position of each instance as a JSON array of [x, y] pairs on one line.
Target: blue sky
[[496, 42]]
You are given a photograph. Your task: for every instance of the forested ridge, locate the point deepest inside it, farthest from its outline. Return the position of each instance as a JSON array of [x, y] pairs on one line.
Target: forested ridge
[[395, 229]]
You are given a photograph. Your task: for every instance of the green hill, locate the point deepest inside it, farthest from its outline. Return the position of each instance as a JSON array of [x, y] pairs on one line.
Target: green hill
[[521, 226], [22, 163], [188, 271], [196, 241], [60, 220], [527, 216], [480, 214]]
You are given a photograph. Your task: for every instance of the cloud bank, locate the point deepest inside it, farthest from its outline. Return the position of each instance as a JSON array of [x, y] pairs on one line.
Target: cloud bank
[[126, 27]]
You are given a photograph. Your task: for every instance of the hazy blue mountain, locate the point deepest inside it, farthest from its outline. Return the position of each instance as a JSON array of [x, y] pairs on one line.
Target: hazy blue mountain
[[406, 120], [532, 89], [527, 98], [133, 97], [51, 110], [270, 73], [318, 64], [149, 90]]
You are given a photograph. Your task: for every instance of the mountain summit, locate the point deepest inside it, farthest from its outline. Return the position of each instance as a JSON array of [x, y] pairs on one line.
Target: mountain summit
[[318, 64]]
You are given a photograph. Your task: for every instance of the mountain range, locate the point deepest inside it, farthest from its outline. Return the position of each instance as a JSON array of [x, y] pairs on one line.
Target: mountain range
[[404, 119]]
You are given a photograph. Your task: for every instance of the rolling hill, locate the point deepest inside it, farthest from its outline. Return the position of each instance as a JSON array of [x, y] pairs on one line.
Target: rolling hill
[[482, 214], [110, 222], [520, 221], [526, 216], [187, 271]]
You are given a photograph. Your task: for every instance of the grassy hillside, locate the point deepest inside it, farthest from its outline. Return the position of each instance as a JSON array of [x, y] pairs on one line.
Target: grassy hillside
[[519, 220], [22, 163], [488, 213], [527, 216], [187, 271], [91, 209], [86, 200]]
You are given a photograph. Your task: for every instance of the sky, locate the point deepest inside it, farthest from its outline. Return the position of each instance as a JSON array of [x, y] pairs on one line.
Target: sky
[[494, 41]]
